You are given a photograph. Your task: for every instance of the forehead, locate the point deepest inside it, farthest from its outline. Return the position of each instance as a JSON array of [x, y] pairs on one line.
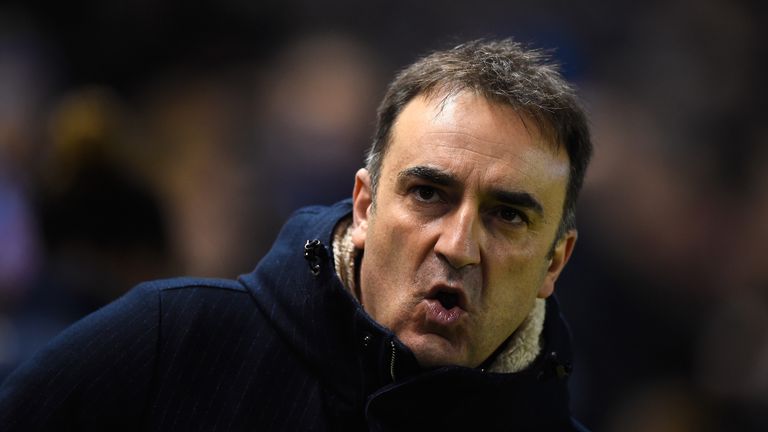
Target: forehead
[[477, 138]]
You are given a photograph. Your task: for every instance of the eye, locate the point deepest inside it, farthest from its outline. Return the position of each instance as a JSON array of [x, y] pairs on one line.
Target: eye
[[511, 216], [426, 194]]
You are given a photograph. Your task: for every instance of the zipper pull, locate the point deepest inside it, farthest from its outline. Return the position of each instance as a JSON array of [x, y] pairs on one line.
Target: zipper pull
[[314, 253], [392, 360]]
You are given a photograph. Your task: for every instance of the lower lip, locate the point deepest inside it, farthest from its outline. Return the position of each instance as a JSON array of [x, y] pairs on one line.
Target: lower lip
[[440, 315]]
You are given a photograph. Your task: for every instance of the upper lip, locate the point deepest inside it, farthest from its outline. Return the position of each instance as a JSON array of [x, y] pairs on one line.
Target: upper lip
[[461, 296]]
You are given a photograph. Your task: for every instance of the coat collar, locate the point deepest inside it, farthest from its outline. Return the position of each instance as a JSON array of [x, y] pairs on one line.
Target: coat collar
[[358, 360], [313, 312]]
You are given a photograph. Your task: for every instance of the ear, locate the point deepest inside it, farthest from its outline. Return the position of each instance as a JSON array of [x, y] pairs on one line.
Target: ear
[[562, 253], [362, 199]]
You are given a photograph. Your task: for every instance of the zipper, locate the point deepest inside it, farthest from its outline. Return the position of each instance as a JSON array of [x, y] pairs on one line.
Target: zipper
[[392, 361]]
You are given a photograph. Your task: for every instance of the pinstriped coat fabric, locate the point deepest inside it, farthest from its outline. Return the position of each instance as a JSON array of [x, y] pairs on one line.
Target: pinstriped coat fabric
[[284, 348]]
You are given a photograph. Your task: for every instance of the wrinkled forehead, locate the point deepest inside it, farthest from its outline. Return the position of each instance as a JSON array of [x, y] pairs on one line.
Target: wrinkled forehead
[[485, 125], [533, 118], [481, 135]]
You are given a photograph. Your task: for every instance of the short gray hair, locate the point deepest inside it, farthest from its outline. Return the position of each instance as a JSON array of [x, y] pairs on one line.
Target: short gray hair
[[502, 71]]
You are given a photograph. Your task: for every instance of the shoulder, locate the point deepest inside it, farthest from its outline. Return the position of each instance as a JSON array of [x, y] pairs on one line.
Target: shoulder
[[334, 210], [190, 313], [188, 283], [317, 221], [164, 296], [206, 308]]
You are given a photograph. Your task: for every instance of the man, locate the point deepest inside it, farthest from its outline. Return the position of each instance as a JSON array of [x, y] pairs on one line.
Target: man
[[422, 303]]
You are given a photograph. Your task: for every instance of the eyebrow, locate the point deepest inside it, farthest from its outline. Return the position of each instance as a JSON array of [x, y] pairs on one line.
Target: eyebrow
[[430, 174], [518, 199], [436, 176]]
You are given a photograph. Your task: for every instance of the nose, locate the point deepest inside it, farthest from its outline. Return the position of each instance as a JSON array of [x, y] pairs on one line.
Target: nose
[[459, 238]]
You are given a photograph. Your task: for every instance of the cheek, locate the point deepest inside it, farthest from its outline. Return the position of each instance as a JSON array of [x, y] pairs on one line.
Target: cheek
[[399, 248], [401, 240], [391, 270], [514, 281], [511, 297]]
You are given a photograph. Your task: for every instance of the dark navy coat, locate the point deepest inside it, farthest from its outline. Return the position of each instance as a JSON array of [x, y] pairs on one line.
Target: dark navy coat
[[283, 348]]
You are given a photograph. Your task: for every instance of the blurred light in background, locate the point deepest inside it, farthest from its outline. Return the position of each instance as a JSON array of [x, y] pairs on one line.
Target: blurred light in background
[[151, 139]]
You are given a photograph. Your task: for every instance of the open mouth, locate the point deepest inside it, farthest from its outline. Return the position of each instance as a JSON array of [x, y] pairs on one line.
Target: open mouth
[[447, 300], [445, 306]]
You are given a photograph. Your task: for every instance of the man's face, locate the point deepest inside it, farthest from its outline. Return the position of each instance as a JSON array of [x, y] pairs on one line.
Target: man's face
[[456, 247]]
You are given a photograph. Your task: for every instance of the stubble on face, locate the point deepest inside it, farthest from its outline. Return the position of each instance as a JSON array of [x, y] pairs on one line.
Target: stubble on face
[[440, 233]]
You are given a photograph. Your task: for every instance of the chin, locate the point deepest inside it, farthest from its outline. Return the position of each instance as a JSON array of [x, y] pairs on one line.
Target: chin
[[434, 351]]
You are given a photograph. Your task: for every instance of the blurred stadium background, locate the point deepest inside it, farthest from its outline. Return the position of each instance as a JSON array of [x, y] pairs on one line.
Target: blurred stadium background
[[149, 139]]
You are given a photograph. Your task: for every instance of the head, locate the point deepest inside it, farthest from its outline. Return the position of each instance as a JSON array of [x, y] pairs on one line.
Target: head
[[465, 210]]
